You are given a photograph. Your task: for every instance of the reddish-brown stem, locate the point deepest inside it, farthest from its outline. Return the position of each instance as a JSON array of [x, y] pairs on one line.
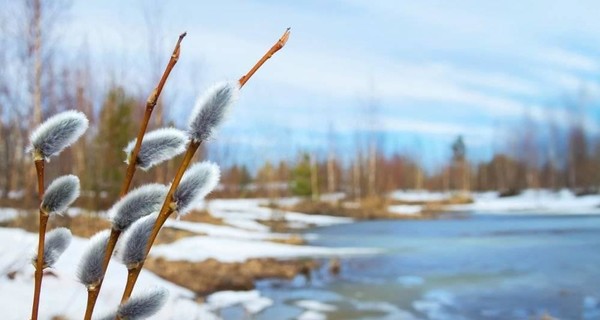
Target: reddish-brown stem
[[166, 209], [39, 263], [91, 301], [150, 104], [276, 47]]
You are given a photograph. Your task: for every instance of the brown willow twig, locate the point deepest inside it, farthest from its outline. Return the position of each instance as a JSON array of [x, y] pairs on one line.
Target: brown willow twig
[[94, 291], [39, 263], [168, 206], [276, 47]]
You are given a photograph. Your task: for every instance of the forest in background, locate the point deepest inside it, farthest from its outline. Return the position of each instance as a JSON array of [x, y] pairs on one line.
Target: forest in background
[[38, 80]]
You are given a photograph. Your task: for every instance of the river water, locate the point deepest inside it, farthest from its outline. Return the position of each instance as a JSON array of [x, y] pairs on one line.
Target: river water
[[480, 267]]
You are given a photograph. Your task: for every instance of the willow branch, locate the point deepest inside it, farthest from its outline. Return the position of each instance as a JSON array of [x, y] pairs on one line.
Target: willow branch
[[150, 104], [167, 208], [39, 263], [165, 212], [93, 292]]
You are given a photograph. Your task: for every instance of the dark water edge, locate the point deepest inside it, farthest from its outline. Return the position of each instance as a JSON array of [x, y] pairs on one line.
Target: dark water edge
[[482, 267]]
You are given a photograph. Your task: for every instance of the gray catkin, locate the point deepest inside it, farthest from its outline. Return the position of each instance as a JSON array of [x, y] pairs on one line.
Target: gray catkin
[[57, 241], [57, 133], [210, 109], [133, 245], [136, 204], [196, 183], [158, 146], [143, 305], [90, 267], [61, 193]]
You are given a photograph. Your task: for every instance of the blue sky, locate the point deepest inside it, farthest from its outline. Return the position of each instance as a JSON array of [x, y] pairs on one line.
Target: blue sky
[[433, 69]]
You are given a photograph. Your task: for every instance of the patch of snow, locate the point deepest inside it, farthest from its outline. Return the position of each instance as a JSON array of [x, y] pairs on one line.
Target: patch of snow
[[63, 295], [252, 301], [7, 214], [406, 209], [532, 201], [222, 231], [419, 195], [315, 305], [312, 315], [237, 250], [252, 209], [247, 224], [18, 194]]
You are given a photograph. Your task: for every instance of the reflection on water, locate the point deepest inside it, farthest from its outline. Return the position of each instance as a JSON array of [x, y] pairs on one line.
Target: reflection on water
[[483, 267]]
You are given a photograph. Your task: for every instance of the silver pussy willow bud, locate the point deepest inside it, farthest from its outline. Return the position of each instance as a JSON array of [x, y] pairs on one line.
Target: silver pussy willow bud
[[57, 241], [199, 180], [61, 193], [136, 204], [210, 109], [90, 267], [157, 146], [143, 305], [133, 245], [57, 133]]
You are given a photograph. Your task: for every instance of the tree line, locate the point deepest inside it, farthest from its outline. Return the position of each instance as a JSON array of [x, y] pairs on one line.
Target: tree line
[[38, 80]]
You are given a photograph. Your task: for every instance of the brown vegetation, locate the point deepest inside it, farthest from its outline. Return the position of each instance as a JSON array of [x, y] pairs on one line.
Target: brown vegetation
[[211, 275]]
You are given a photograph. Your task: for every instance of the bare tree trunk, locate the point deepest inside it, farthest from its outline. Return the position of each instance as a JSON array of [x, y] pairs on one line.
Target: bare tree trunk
[[314, 177], [371, 169], [37, 62], [331, 173]]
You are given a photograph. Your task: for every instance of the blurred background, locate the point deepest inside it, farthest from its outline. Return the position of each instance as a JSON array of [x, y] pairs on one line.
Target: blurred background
[[371, 96], [474, 126]]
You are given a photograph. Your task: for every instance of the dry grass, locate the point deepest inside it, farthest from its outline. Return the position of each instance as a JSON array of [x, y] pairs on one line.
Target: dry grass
[[211, 275], [366, 209], [202, 216], [85, 225]]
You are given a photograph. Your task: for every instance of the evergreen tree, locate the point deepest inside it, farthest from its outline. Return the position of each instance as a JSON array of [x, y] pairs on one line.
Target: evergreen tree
[[301, 183], [115, 130]]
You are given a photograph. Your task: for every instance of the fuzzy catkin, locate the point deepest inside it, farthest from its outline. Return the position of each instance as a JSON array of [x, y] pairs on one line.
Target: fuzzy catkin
[[211, 108], [90, 268], [57, 133], [143, 305], [136, 204], [57, 241], [133, 246], [157, 146], [61, 193], [199, 180]]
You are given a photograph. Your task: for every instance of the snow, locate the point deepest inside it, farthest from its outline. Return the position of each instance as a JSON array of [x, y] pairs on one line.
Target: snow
[[532, 201], [252, 301], [61, 292], [247, 224], [312, 315], [314, 310], [315, 305], [238, 250], [419, 195], [251, 209], [222, 231], [7, 214], [406, 209]]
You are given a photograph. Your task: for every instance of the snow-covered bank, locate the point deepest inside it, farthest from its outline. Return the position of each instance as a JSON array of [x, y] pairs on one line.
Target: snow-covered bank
[[245, 237], [237, 250], [531, 202], [244, 211], [62, 294]]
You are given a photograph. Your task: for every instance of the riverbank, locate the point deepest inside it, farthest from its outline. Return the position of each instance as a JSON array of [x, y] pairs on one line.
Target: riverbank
[[200, 260]]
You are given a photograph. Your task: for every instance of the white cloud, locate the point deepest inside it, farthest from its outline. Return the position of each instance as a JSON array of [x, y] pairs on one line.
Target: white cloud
[[570, 60]]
